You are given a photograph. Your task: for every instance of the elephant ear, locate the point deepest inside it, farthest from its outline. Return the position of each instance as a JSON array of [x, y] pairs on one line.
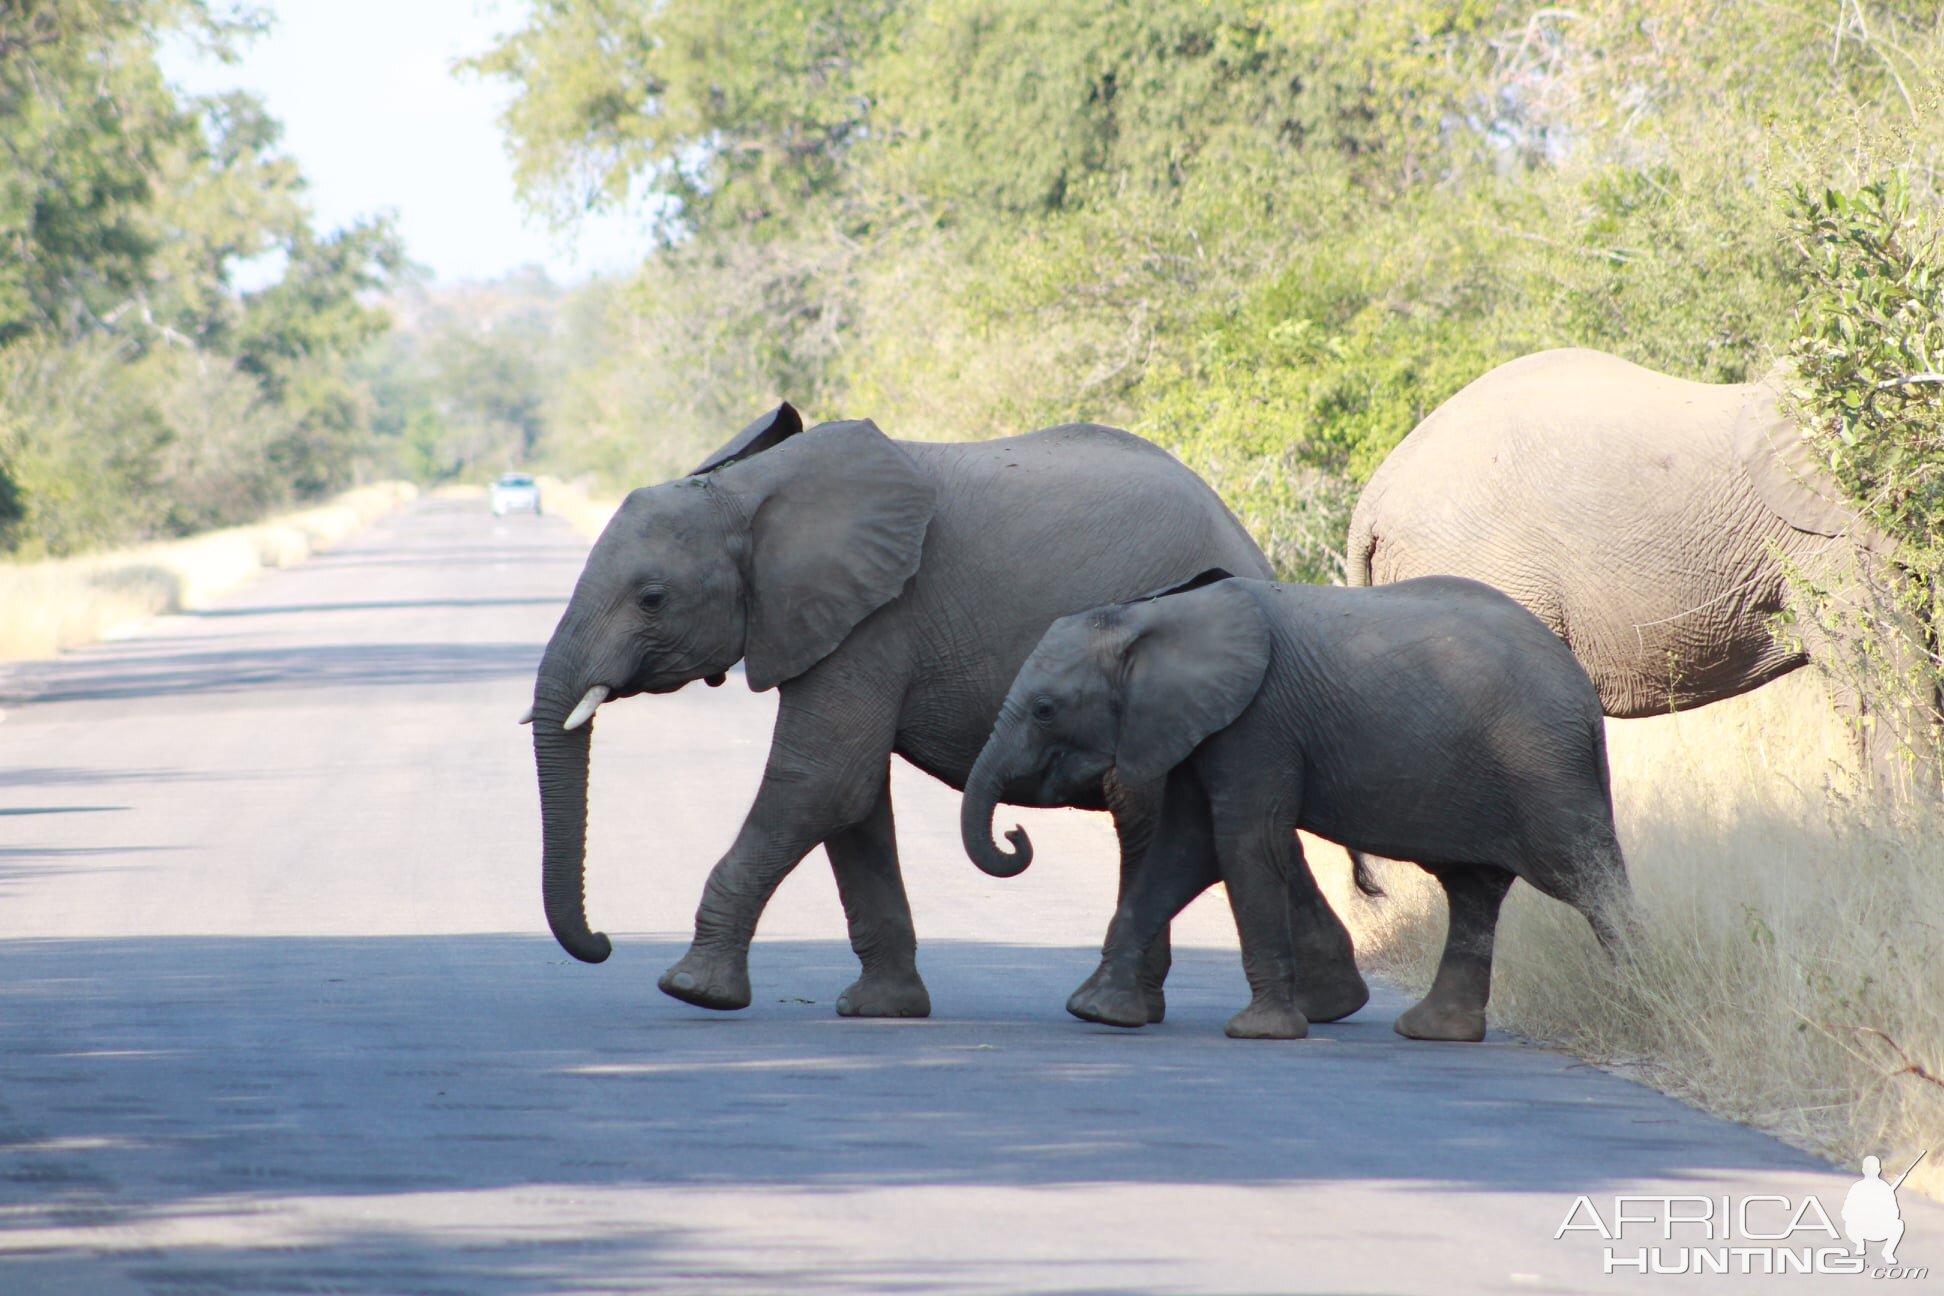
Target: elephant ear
[[837, 523], [1191, 664], [774, 428], [1782, 465]]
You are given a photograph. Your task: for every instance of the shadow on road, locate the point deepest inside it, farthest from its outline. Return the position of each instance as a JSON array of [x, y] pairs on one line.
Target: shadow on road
[[123, 676], [425, 1083], [393, 605]]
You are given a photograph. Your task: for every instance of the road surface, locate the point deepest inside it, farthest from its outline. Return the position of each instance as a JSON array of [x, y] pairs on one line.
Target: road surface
[[278, 1013]]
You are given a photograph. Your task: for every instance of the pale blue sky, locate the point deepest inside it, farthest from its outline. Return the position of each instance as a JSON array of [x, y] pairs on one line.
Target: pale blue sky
[[376, 119]]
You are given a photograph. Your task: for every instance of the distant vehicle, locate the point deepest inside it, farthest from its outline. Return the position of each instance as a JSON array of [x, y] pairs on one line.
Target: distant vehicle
[[515, 493]]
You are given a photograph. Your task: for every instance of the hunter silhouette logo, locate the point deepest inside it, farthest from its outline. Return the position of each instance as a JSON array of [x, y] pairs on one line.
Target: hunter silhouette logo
[[1758, 1233], [1870, 1211]]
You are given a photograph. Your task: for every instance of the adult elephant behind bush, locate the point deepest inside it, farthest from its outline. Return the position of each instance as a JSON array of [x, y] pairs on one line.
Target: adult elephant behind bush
[[890, 590], [1647, 519]]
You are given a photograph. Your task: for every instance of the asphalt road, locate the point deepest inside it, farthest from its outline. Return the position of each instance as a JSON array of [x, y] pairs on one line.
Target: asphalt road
[[278, 1014]]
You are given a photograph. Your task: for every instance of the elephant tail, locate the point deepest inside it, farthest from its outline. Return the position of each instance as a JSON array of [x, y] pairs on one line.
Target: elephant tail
[[1360, 873], [1363, 544]]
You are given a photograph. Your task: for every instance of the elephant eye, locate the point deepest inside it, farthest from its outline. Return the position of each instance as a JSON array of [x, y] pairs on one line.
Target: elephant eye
[[652, 598], [1042, 709]]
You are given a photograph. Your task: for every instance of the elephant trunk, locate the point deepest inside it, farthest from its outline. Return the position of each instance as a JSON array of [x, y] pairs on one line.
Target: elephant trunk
[[975, 818], [560, 756]]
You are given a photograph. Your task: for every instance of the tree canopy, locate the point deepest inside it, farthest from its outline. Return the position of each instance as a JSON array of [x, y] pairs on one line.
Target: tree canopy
[[1270, 235], [141, 393]]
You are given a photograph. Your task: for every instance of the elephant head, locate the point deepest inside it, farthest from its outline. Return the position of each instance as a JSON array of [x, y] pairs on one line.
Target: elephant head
[[1132, 688], [770, 553]]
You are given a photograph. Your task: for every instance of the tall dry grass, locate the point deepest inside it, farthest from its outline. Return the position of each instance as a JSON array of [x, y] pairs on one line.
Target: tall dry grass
[[46, 607], [1793, 970]]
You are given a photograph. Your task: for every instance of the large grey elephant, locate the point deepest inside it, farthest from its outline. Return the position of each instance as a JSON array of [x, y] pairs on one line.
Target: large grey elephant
[[1435, 721], [889, 590], [1647, 519]]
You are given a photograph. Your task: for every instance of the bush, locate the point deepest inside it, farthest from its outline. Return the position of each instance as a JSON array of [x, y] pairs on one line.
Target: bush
[[1869, 360]]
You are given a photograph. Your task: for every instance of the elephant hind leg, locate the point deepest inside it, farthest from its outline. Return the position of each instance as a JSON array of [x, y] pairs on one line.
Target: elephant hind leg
[[1454, 1008], [864, 860]]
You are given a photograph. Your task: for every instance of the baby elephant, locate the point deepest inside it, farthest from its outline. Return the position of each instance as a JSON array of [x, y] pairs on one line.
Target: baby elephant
[[1433, 720]]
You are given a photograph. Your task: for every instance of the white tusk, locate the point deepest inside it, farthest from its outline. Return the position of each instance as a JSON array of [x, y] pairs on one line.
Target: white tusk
[[526, 716], [580, 714]]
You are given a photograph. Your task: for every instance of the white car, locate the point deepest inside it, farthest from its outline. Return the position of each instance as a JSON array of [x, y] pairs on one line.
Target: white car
[[515, 493]]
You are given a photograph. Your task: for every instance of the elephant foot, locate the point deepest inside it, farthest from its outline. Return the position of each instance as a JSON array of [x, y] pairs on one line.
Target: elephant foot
[[884, 994], [1332, 998], [718, 981], [1101, 999], [1157, 1003], [1268, 1019], [1435, 1021]]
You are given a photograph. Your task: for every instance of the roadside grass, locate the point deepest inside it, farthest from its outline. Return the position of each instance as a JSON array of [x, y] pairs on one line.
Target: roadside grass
[[1792, 975], [46, 607]]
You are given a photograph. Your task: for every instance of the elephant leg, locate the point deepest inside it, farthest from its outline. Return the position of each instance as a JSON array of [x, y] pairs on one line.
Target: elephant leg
[[1455, 1007], [864, 859], [1177, 866], [1328, 986], [1258, 864], [1136, 811], [826, 769]]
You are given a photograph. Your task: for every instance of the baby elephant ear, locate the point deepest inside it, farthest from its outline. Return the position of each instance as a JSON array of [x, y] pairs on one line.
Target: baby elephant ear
[[1192, 663], [775, 427]]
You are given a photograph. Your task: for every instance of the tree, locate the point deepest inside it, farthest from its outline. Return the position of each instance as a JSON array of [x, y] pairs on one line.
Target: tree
[[151, 397]]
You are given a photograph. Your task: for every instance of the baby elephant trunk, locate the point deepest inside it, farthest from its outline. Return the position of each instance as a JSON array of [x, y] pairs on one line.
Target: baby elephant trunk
[[975, 817]]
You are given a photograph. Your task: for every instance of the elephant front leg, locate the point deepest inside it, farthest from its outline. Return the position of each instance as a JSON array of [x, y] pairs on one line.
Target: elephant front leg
[[825, 775], [865, 861], [1157, 883], [1136, 811], [1454, 1009]]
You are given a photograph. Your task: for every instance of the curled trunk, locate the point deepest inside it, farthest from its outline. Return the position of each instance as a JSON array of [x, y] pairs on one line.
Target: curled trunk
[[975, 821], [560, 756]]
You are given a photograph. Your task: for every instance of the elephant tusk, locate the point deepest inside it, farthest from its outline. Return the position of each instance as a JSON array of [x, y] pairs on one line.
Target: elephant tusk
[[580, 714], [526, 716]]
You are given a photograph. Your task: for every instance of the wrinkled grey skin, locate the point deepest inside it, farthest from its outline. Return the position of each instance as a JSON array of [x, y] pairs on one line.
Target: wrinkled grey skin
[[1435, 721], [1646, 519], [889, 590]]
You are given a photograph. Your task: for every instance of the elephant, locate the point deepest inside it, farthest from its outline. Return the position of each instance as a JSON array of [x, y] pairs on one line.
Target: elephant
[[1434, 720], [888, 590], [1648, 520]]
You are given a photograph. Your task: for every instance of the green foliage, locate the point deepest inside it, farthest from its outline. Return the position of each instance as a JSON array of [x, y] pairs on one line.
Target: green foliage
[[739, 114], [1870, 352], [1271, 236], [150, 397], [463, 385], [102, 447], [1869, 362]]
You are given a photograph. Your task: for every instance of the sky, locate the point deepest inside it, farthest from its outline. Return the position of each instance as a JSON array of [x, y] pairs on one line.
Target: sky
[[378, 122]]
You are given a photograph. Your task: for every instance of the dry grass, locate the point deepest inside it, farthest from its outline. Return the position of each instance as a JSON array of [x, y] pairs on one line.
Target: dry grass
[[46, 607], [1790, 978]]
